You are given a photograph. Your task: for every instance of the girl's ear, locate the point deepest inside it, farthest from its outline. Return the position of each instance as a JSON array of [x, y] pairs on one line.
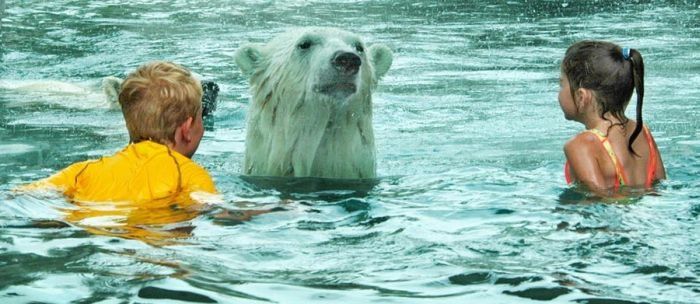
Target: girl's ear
[[583, 97]]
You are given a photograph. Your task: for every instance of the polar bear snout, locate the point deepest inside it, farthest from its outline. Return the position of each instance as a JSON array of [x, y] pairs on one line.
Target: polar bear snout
[[339, 80], [346, 63]]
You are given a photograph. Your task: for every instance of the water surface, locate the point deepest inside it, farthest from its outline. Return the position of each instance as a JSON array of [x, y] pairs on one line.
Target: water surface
[[470, 204]]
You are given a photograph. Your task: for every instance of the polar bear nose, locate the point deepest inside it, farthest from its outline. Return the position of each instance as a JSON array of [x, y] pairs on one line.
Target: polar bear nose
[[346, 62]]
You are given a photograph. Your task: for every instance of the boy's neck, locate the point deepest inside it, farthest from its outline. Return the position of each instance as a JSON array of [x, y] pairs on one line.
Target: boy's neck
[[171, 146], [178, 149]]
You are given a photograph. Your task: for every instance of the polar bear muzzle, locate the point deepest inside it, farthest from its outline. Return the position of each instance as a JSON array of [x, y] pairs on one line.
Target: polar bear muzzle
[[340, 80], [346, 63]]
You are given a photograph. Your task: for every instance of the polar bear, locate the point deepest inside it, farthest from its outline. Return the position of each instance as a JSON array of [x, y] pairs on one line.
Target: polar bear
[[311, 106], [68, 94]]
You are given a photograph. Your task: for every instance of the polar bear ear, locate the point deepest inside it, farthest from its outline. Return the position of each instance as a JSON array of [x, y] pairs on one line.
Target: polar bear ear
[[382, 58], [248, 57], [112, 86]]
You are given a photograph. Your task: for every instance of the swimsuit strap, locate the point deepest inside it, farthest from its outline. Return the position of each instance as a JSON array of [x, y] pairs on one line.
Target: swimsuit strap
[[651, 165], [619, 170]]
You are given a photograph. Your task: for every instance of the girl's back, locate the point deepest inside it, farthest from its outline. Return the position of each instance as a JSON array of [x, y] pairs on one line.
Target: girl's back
[[641, 169]]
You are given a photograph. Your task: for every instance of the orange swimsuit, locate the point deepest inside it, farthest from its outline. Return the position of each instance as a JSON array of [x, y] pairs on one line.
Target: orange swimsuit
[[621, 179]]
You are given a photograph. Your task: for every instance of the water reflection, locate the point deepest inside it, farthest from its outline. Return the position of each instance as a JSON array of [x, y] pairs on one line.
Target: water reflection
[[159, 223], [323, 189]]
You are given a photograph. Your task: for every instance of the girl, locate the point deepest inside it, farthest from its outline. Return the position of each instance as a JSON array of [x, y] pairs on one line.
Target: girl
[[596, 84]]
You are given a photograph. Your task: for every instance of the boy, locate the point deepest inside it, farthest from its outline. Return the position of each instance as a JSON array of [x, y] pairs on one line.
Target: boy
[[161, 103]]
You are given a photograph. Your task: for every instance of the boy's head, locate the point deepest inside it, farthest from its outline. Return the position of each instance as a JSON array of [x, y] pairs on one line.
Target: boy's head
[[157, 98]]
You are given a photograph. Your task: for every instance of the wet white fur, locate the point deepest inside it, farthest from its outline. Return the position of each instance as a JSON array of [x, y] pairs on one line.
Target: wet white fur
[[110, 86], [294, 130]]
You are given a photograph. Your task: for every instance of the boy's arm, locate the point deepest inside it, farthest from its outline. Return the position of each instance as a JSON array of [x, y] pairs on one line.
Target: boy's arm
[[203, 190], [200, 180], [64, 180], [198, 184]]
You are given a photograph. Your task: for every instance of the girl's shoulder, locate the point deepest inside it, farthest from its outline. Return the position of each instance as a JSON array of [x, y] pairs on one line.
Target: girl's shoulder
[[583, 139], [584, 146]]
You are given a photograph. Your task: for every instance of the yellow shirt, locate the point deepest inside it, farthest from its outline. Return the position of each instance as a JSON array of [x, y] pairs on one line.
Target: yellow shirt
[[142, 173], [144, 184]]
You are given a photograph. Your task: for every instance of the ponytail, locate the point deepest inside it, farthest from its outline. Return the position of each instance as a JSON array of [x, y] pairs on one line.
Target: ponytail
[[637, 64]]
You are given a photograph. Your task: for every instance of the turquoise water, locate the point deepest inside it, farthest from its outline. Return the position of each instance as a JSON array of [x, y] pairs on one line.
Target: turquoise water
[[470, 206]]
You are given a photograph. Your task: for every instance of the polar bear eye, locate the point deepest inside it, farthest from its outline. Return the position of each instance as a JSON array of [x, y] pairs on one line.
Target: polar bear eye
[[304, 45], [359, 48]]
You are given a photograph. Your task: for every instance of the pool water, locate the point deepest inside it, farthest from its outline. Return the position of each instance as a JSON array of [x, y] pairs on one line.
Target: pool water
[[470, 204]]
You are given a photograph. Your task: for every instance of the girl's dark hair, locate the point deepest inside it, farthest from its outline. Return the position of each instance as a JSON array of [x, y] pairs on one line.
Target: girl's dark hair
[[602, 67]]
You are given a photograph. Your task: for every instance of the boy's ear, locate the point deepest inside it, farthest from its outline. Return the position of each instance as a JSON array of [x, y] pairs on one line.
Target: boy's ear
[[184, 130], [248, 57]]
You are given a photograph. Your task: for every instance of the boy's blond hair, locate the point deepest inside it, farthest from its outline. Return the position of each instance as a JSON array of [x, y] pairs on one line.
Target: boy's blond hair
[[157, 98]]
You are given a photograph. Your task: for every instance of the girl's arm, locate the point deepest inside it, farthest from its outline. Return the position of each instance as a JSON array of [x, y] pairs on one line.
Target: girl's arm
[[660, 170], [581, 153]]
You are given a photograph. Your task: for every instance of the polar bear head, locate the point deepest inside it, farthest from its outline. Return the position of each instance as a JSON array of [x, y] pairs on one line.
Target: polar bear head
[[311, 106], [329, 62]]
